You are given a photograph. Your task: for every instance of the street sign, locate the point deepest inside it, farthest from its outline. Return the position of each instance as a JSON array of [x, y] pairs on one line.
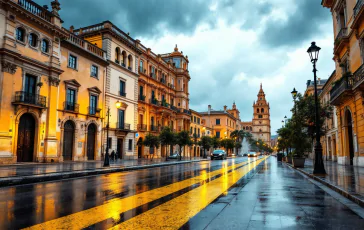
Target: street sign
[[137, 135]]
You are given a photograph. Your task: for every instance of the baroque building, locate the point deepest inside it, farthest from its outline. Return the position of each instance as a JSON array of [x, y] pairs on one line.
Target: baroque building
[[261, 120], [346, 90]]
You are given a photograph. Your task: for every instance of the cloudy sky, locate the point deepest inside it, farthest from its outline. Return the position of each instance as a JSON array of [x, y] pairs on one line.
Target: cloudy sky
[[232, 45]]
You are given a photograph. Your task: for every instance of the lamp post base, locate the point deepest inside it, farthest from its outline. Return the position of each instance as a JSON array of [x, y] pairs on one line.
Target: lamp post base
[[319, 167]]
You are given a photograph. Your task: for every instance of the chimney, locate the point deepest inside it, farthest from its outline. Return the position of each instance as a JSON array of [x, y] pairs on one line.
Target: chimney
[[225, 107], [209, 109]]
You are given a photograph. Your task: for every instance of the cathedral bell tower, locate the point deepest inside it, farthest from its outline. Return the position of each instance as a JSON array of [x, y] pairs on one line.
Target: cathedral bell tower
[[261, 119]]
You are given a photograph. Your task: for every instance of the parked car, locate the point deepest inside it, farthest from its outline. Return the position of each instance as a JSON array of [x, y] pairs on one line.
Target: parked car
[[216, 154], [252, 154], [245, 154], [174, 156]]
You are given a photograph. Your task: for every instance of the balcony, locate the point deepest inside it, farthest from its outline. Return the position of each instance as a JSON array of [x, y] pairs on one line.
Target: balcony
[[142, 98], [35, 9], [186, 111], [358, 78], [123, 94], [171, 86], [154, 128], [93, 111], [162, 80], [117, 61], [123, 65], [122, 126], [154, 101], [129, 68], [341, 39], [85, 45], [174, 108], [141, 70], [165, 104], [358, 8], [71, 107], [142, 127], [22, 97], [341, 90]]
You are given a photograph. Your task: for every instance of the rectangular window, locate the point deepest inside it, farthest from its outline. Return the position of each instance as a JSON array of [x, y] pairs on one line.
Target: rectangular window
[[121, 119], [93, 104], [30, 84], [218, 134], [217, 121], [122, 89], [72, 62], [194, 119], [130, 145], [198, 120], [71, 99], [94, 71], [260, 116]]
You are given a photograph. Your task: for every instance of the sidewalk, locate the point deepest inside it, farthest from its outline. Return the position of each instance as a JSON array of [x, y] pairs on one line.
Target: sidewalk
[[344, 179], [277, 197], [38, 172]]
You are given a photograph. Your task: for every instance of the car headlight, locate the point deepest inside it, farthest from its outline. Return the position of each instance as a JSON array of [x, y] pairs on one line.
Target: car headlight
[[220, 154]]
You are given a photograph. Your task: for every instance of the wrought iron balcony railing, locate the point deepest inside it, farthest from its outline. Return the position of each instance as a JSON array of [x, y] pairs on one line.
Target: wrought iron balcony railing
[[30, 98], [121, 93], [345, 84], [153, 128], [142, 127], [142, 97], [122, 126], [154, 101], [141, 70], [174, 108], [93, 111], [70, 106], [358, 76]]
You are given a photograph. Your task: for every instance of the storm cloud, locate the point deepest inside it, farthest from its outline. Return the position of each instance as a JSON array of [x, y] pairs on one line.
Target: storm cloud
[[232, 45]]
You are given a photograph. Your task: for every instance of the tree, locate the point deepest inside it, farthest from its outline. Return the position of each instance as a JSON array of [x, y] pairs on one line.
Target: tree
[[152, 142], [206, 143], [216, 142], [183, 139], [238, 136], [167, 137], [228, 143]]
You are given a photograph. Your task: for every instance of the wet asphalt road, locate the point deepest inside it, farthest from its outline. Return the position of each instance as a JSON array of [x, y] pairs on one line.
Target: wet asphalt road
[[237, 193], [28, 205]]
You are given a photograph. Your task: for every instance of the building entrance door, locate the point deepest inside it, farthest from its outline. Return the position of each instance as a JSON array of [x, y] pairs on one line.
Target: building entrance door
[[120, 147], [68, 139], [91, 141], [350, 136], [26, 133]]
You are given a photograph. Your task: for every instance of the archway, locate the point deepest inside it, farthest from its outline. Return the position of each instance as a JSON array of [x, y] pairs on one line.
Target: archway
[[68, 139], [91, 141], [349, 135], [26, 133]]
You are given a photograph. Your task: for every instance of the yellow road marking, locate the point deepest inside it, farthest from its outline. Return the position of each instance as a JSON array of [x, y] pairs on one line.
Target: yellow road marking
[[176, 212], [114, 207]]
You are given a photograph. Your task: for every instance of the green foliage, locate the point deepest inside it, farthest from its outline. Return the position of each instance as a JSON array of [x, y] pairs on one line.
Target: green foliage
[[215, 142], [238, 145], [167, 137], [205, 142], [228, 143], [151, 141], [183, 139]]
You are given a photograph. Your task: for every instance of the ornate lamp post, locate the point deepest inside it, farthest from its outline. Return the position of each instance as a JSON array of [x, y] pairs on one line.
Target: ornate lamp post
[[107, 160], [319, 167], [294, 95]]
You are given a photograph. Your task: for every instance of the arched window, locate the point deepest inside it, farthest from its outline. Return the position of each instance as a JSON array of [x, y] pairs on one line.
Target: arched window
[[262, 110], [45, 46], [141, 68], [20, 34], [257, 110], [123, 58], [117, 55], [130, 62], [33, 40]]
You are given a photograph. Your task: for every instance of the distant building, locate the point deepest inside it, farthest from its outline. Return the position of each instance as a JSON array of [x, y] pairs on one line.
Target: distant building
[[310, 89]]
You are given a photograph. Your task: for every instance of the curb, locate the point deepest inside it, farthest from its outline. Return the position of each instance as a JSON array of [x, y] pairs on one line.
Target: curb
[[22, 180], [331, 186]]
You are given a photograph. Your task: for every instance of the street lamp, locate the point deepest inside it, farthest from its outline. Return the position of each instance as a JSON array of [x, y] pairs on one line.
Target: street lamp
[[107, 160], [294, 95], [319, 167], [282, 123], [285, 120]]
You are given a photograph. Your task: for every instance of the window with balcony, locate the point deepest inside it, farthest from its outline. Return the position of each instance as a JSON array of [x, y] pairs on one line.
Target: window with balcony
[[33, 40], [141, 67], [20, 34], [218, 134], [141, 93], [217, 121], [45, 46], [121, 119], [94, 71], [122, 88], [70, 99], [198, 121], [72, 61], [93, 104]]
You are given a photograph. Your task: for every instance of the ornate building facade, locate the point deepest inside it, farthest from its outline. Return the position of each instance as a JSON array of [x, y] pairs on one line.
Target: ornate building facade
[[346, 92]]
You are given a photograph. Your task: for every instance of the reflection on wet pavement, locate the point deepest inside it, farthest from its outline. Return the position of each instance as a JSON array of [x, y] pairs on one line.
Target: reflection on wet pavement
[[277, 197], [348, 178]]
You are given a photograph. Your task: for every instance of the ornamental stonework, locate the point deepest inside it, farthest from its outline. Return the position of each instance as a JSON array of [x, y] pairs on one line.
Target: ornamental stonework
[[54, 81], [8, 67]]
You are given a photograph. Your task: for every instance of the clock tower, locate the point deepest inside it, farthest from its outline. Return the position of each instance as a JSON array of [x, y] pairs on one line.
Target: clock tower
[[261, 119]]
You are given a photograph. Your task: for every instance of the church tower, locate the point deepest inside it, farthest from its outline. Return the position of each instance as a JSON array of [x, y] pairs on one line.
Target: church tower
[[261, 119]]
